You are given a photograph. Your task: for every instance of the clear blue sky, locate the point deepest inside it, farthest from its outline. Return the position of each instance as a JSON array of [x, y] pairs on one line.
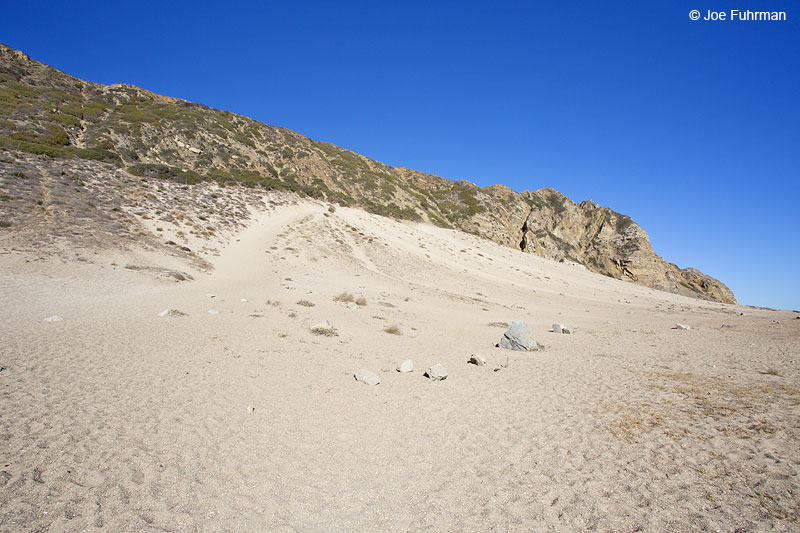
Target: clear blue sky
[[690, 127]]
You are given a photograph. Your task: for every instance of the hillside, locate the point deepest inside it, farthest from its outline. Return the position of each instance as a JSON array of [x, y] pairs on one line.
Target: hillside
[[47, 112]]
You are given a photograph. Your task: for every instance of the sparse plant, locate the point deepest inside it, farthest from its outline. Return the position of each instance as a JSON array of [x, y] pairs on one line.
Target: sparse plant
[[332, 209], [344, 297], [393, 329], [5, 224], [361, 301], [326, 332], [305, 303]]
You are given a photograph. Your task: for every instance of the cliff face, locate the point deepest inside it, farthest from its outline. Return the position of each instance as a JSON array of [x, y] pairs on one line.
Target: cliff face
[[45, 111], [607, 242]]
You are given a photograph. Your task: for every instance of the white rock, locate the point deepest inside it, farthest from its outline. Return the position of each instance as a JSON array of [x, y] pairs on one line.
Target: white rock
[[171, 312], [477, 360], [322, 325], [518, 337], [213, 312], [210, 295], [365, 376], [243, 300], [558, 328], [351, 305], [681, 326], [54, 318], [437, 372], [406, 366]]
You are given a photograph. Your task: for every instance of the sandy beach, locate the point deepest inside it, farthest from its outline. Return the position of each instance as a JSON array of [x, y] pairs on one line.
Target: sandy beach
[[242, 419]]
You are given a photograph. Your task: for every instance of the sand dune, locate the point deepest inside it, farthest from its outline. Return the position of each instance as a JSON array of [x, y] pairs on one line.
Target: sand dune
[[119, 419]]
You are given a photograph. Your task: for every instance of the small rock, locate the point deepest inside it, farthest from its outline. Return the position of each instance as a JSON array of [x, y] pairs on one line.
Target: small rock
[[171, 312], [630, 312], [477, 360], [406, 366], [243, 300], [213, 312], [351, 305], [210, 295], [250, 409], [365, 376], [518, 337], [558, 328], [681, 326], [54, 318], [437, 372]]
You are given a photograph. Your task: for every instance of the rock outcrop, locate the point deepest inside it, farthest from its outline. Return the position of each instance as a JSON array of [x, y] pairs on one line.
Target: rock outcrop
[[609, 243], [45, 111]]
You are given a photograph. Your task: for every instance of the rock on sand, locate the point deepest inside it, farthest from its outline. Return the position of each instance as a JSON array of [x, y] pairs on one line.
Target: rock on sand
[[518, 337]]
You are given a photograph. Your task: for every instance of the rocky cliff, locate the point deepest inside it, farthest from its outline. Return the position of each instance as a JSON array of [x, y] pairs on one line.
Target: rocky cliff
[[45, 111]]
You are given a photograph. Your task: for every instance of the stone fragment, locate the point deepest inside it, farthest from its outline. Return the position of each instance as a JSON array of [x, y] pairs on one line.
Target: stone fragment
[[213, 312], [406, 366], [477, 360], [681, 326], [437, 372], [365, 376], [54, 318], [558, 328], [171, 312], [518, 337]]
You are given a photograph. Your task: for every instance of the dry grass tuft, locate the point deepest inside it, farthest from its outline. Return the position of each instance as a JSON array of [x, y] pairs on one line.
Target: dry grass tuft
[[325, 332], [361, 301], [344, 297], [393, 329], [305, 303]]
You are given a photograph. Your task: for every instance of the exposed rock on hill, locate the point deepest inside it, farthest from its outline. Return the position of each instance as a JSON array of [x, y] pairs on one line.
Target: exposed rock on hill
[[607, 242], [45, 111]]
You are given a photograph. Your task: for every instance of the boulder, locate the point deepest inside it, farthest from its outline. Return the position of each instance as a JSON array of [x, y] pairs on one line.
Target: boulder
[[365, 376], [477, 360], [518, 337], [437, 372], [406, 366]]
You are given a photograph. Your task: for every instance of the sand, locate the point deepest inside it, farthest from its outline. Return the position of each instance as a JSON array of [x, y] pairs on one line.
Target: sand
[[118, 419]]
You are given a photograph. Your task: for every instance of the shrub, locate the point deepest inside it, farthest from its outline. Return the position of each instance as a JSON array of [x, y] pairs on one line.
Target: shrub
[[344, 297], [305, 303], [326, 332], [393, 329]]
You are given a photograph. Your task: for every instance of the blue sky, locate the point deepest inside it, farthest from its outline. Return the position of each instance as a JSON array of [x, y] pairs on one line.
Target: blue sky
[[690, 127]]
